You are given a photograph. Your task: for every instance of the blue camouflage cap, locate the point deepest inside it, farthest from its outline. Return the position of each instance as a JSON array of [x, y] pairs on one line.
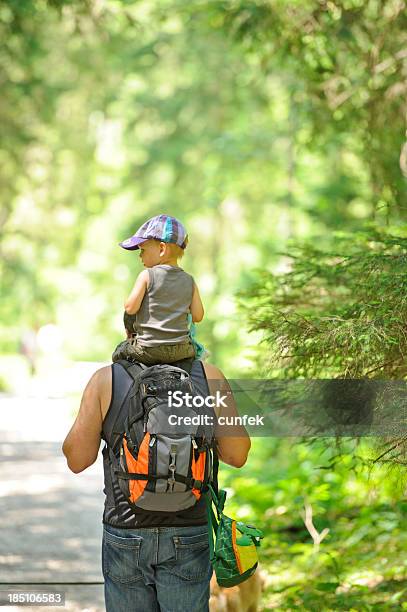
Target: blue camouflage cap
[[161, 227]]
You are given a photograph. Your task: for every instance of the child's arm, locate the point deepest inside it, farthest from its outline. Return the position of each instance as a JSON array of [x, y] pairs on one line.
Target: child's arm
[[133, 302], [196, 308]]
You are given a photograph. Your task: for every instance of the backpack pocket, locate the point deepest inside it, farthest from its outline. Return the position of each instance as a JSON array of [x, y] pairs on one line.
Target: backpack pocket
[[133, 488], [173, 458], [167, 474]]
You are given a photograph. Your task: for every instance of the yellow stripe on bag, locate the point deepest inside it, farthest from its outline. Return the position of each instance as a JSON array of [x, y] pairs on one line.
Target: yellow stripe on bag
[[246, 556]]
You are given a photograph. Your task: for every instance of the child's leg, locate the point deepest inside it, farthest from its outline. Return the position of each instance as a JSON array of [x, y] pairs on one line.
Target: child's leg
[[130, 350], [125, 350], [168, 353]]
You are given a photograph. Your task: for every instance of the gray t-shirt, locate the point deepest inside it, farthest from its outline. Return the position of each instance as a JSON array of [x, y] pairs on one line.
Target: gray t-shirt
[[163, 314]]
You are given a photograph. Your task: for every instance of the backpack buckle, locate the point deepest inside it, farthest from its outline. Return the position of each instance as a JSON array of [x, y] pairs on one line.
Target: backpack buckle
[[150, 389]]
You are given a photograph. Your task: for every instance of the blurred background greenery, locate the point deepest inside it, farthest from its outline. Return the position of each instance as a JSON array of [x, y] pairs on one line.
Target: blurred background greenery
[[277, 133]]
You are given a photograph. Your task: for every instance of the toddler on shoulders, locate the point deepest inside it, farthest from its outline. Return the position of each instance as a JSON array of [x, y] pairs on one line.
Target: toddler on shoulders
[[164, 297]]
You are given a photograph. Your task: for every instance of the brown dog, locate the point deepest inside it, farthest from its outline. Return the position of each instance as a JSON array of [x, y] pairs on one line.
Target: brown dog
[[245, 597]]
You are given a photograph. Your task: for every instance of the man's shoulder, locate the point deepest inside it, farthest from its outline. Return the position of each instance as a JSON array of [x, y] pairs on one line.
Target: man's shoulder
[[103, 372], [101, 379], [212, 372], [100, 385]]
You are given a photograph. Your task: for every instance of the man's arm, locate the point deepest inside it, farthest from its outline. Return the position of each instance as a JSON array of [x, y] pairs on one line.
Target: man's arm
[[233, 448], [81, 445]]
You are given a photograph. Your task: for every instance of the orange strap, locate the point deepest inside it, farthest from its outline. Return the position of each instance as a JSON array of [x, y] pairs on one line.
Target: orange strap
[[139, 465]]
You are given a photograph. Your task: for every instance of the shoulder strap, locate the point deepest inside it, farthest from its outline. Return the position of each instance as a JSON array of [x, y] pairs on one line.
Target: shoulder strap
[[133, 368], [184, 364], [218, 500], [121, 385], [215, 469], [199, 377]]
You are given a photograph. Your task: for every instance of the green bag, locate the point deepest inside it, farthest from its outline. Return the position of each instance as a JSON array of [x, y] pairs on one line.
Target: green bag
[[234, 552]]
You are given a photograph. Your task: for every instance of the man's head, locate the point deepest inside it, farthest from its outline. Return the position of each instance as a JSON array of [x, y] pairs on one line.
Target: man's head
[[161, 228]]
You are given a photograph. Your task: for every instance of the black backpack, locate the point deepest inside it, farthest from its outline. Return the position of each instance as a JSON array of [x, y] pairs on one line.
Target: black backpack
[[164, 457]]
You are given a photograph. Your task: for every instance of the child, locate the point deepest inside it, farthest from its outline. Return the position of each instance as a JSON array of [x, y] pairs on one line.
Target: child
[[157, 309]]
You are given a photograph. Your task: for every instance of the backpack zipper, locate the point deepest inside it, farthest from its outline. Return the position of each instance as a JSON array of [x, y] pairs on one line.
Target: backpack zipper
[[172, 466]]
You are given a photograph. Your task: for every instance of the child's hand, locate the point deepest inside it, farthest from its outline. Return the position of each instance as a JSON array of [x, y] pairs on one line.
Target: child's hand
[[200, 351]]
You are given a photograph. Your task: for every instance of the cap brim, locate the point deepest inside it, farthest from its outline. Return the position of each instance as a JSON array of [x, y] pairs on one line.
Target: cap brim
[[131, 244]]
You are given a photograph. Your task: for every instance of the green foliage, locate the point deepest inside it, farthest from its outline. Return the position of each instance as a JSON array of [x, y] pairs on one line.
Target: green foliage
[[365, 513], [214, 112], [46, 152], [339, 310], [348, 55], [264, 126]]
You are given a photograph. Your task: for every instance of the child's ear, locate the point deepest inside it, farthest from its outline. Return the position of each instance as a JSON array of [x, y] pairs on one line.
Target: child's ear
[[163, 248]]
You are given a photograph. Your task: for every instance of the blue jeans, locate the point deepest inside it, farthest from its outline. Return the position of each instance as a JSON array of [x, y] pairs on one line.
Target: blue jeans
[[156, 569]]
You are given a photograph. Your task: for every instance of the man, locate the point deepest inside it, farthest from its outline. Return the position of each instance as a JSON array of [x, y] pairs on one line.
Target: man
[[152, 561]]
